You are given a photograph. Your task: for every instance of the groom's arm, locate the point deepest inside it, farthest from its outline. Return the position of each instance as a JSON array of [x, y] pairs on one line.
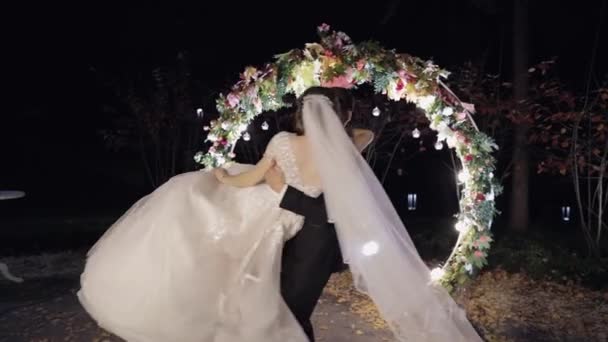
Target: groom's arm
[[313, 209]]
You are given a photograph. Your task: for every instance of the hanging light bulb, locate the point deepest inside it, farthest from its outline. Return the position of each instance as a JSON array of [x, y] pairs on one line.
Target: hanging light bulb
[[399, 172], [265, 126], [437, 273], [416, 133], [376, 111], [439, 145], [199, 112], [246, 136]]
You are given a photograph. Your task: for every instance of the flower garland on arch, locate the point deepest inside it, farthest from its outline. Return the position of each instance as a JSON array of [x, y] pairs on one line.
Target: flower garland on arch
[[337, 62]]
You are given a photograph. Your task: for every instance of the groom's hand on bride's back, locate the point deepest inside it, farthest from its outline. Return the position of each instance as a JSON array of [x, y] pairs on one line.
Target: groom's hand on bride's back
[[275, 178]]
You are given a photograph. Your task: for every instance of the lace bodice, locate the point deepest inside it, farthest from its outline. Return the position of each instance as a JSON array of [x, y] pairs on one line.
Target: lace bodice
[[280, 149]]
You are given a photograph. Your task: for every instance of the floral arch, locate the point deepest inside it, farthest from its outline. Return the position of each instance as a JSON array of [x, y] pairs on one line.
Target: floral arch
[[336, 61]]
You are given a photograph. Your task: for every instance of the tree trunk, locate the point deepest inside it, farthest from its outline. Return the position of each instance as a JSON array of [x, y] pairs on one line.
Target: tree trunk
[[519, 195]]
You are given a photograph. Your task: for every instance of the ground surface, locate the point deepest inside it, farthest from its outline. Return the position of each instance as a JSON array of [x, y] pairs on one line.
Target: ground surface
[[503, 307]]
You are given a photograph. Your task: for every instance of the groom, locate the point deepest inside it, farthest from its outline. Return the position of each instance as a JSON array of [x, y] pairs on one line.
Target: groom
[[311, 256]]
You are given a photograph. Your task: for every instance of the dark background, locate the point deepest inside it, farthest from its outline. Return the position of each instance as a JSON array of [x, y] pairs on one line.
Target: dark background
[[50, 144]]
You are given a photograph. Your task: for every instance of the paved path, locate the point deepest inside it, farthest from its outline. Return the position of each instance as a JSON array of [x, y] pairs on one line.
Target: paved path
[[46, 309]]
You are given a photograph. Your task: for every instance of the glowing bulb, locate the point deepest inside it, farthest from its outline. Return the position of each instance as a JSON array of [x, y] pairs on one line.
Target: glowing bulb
[[416, 133], [206, 128], [246, 136], [463, 176], [370, 248], [376, 111], [437, 273], [199, 112], [460, 226], [399, 172], [439, 145], [265, 126]]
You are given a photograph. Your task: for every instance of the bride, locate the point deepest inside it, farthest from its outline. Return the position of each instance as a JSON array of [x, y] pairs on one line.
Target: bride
[[199, 258]]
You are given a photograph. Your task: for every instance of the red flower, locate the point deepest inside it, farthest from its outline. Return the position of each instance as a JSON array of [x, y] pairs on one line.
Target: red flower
[[224, 142], [480, 197], [400, 85], [468, 158]]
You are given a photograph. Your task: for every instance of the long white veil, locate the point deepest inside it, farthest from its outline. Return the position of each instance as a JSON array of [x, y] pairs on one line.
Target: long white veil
[[375, 244]]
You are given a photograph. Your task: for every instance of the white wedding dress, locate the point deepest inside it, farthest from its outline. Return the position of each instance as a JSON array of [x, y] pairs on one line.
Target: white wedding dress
[[197, 260], [200, 261]]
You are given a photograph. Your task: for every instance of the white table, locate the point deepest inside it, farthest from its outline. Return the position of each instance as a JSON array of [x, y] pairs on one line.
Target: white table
[[11, 194], [8, 195]]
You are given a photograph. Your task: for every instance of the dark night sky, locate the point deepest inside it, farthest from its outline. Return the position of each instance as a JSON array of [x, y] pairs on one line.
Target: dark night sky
[[50, 114]]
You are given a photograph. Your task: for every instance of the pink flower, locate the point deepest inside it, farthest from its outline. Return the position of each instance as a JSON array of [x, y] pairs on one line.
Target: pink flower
[[468, 158], [212, 149], [323, 27], [460, 137], [461, 116], [224, 142], [338, 43], [478, 254], [342, 81], [480, 197], [233, 100], [257, 103], [484, 238]]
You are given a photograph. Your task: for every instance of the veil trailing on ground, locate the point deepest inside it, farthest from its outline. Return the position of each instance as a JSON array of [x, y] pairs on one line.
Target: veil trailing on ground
[[375, 244]]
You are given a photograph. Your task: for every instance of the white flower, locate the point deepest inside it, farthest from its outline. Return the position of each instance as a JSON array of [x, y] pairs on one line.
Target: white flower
[[447, 111], [444, 131], [469, 268], [425, 102], [198, 157]]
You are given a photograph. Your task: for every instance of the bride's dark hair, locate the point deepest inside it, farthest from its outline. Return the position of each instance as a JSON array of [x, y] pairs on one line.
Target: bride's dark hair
[[342, 100]]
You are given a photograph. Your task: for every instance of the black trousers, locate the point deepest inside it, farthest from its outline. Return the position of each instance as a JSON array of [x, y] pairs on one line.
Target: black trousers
[[309, 259]]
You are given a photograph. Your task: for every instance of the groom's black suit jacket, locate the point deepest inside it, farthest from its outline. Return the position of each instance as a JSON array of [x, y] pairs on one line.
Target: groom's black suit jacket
[[309, 258]]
